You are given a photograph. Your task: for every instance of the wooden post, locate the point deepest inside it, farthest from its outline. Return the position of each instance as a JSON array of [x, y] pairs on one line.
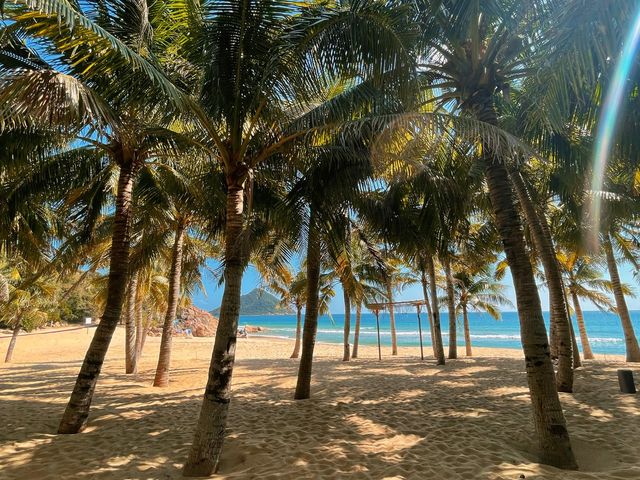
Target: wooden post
[[378, 329], [625, 380], [420, 331]]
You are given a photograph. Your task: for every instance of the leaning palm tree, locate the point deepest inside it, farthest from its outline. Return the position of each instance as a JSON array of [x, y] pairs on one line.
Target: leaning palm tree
[[118, 128]]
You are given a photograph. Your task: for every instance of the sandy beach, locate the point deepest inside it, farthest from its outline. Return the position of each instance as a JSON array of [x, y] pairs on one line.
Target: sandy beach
[[401, 418]]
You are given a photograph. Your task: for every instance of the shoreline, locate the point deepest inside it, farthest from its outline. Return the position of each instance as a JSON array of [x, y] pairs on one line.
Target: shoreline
[[484, 352]]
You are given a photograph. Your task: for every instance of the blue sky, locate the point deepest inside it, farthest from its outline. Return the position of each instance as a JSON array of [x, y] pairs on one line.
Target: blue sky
[[251, 280]]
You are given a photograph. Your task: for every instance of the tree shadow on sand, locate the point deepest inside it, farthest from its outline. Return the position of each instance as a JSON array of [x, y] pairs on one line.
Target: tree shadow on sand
[[366, 419]]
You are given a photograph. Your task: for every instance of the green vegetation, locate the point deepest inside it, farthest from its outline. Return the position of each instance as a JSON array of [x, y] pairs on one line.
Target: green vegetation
[[385, 141]]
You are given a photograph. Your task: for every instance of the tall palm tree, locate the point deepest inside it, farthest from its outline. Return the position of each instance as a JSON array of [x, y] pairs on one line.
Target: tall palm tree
[[473, 62], [118, 128], [254, 94]]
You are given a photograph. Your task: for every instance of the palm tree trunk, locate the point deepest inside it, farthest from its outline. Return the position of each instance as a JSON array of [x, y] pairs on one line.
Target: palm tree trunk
[[347, 325], [437, 330], [131, 351], [303, 387], [425, 294], [553, 437], [584, 338], [144, 332], [210, 429], [296, 347], [175, 277], [77, 410], [630, 340], [574, 344], [392, 318], [141, 330], [561, 334], [467, 333], [451, 306], [356, 334], [12, 342]]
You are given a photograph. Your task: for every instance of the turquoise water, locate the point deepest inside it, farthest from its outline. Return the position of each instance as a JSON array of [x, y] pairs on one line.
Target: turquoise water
[[604, 329]]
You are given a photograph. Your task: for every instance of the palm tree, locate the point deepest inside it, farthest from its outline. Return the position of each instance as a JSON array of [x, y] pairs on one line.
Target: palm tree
[[255, 104], [631, 342], [584, 280], [118, 130], [25, 308], [477, 290], [473, 61]]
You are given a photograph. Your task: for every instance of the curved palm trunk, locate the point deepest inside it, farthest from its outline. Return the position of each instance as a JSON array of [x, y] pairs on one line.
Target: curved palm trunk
[[392, 318], [451, 307], [584, 338], [131, 350], [12, 342], [303, 387], [77, 411], [175, 277], [438, 348], [347, 326], [296, 347], [142, 329], [467, 332], [630, 340], [553, 437], [561, 331], [356, 334], [210, 429]]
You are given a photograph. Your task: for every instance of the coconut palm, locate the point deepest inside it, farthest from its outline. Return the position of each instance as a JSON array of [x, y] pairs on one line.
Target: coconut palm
[[25, 308], [118, 130], [477, 290], [254, 91], [472, 64], [583, 280]]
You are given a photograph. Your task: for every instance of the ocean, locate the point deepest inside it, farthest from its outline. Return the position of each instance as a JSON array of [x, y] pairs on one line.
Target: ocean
[[604, 329]]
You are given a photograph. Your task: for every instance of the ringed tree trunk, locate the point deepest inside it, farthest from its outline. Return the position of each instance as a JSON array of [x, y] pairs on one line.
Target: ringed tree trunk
[[356, 334], [206, 448], [438, 348], [77, 411], [584, 338], [574, 348], [347, 325], [467, 333], [425, 294], [561, 331], [131, 350], [630, 340], [296, 347], [392, 318], [175, 278], [142, 328], [451, 307], [12, 342], [303, 386], [552, 434]]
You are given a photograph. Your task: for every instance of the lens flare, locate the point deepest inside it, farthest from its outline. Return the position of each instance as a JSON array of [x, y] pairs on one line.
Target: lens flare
[[608, 122]]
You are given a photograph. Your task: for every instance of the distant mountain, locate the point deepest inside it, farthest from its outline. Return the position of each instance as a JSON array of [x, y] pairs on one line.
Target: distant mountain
[[259, 302]]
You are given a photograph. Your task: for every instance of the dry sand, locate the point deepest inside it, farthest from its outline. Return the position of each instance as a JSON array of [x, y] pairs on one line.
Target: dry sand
[[396, 419]]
